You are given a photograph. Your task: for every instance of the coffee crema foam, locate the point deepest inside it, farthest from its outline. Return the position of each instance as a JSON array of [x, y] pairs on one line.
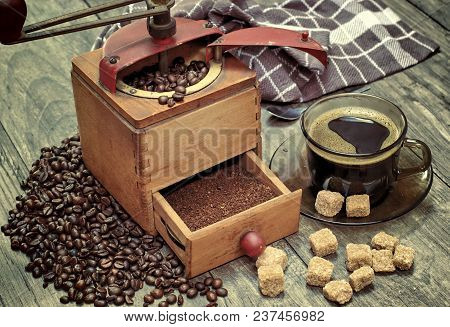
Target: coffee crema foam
[[323, 135]]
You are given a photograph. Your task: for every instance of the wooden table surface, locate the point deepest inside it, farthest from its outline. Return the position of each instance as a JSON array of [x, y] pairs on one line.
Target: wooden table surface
[[37, 109]]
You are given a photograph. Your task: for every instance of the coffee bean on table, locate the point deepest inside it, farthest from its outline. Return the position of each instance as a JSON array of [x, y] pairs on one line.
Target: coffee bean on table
[[171, 299], [208, 281], [211, 296], [178, 97], [163, 304], [222, 292], [119, 300], [149, 299], [64, 299], [89, 298], [184, 288], [85, 243], [163, 99], [191, 293], [99, 303], [199, 286], [171, 102], [157, 293], [217, 283]]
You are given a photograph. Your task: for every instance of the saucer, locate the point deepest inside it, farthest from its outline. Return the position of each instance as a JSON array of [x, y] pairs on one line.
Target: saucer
[[289, 162]]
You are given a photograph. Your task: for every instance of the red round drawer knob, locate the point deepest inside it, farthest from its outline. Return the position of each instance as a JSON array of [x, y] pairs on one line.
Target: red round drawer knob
[[253, 244]]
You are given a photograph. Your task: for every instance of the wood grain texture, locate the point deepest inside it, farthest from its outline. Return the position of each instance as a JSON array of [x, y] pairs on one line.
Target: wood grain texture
[[436, 9], [36, 109]]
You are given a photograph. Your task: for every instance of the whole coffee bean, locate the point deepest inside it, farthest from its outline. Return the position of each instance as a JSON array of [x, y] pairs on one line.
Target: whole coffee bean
[[172, 78], [163, 304], [180, 89], [163, 99], [222, 292], [99, 303], [105, 263], [160, 88], [180, 300], [171, 299], [190, 75], [128, 300], [119, 300], [217, 283], [182, 82], [114, 290], [157, 293], [89, 298], [194, 81], [191, 293], [80, 285], [212, 304], [208, 281], [211, 296], [150, 280], [64, 299], [184, 288], [171, 102], [158, 273], [206, 290], [178, 97], [199, 286], [149, 299]]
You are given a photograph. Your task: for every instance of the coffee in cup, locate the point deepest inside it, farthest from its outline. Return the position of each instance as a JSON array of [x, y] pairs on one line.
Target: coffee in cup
[[354, 143]]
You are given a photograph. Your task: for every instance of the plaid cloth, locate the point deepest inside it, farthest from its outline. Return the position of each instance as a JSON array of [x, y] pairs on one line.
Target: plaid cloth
[[365, 41]]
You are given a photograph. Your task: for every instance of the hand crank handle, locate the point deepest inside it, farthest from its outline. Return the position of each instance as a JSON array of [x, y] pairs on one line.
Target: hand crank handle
[[13, 14]]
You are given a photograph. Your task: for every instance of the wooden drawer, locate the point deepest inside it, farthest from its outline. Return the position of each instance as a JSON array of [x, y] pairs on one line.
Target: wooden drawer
[[218, 243]]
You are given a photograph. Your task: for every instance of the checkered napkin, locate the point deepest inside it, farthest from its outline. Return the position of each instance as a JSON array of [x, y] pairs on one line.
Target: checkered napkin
[[365, 41]]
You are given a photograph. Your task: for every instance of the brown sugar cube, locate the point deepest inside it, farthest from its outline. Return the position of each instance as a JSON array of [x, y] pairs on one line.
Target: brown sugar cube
[[357, 205], [384, 241], [271, 280], [329, 203], [272, 256], [382, 261], [403, 257], [338, 291], [323, 242], [319, 272], [361, 278], [358, 255]]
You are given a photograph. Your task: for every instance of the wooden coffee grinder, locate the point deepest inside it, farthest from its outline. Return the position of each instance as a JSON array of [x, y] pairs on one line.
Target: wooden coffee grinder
[[136, 147]]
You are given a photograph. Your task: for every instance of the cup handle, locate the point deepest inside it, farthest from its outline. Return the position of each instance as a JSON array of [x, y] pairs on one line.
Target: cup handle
[[426, 159]]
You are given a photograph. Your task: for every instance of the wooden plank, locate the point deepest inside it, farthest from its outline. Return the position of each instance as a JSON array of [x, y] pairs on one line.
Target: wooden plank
[[37, 102], [436, 9]]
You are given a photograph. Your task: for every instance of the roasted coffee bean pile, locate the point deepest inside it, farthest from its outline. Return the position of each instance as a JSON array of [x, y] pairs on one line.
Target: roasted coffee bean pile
[[179, 78], [78, 237]]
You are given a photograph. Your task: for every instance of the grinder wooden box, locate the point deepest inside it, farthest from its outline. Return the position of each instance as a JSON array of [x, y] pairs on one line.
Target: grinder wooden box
[[218, 243], [135, 146]]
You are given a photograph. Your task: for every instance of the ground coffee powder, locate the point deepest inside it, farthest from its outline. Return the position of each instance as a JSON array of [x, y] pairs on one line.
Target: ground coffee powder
[[217, 196]]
